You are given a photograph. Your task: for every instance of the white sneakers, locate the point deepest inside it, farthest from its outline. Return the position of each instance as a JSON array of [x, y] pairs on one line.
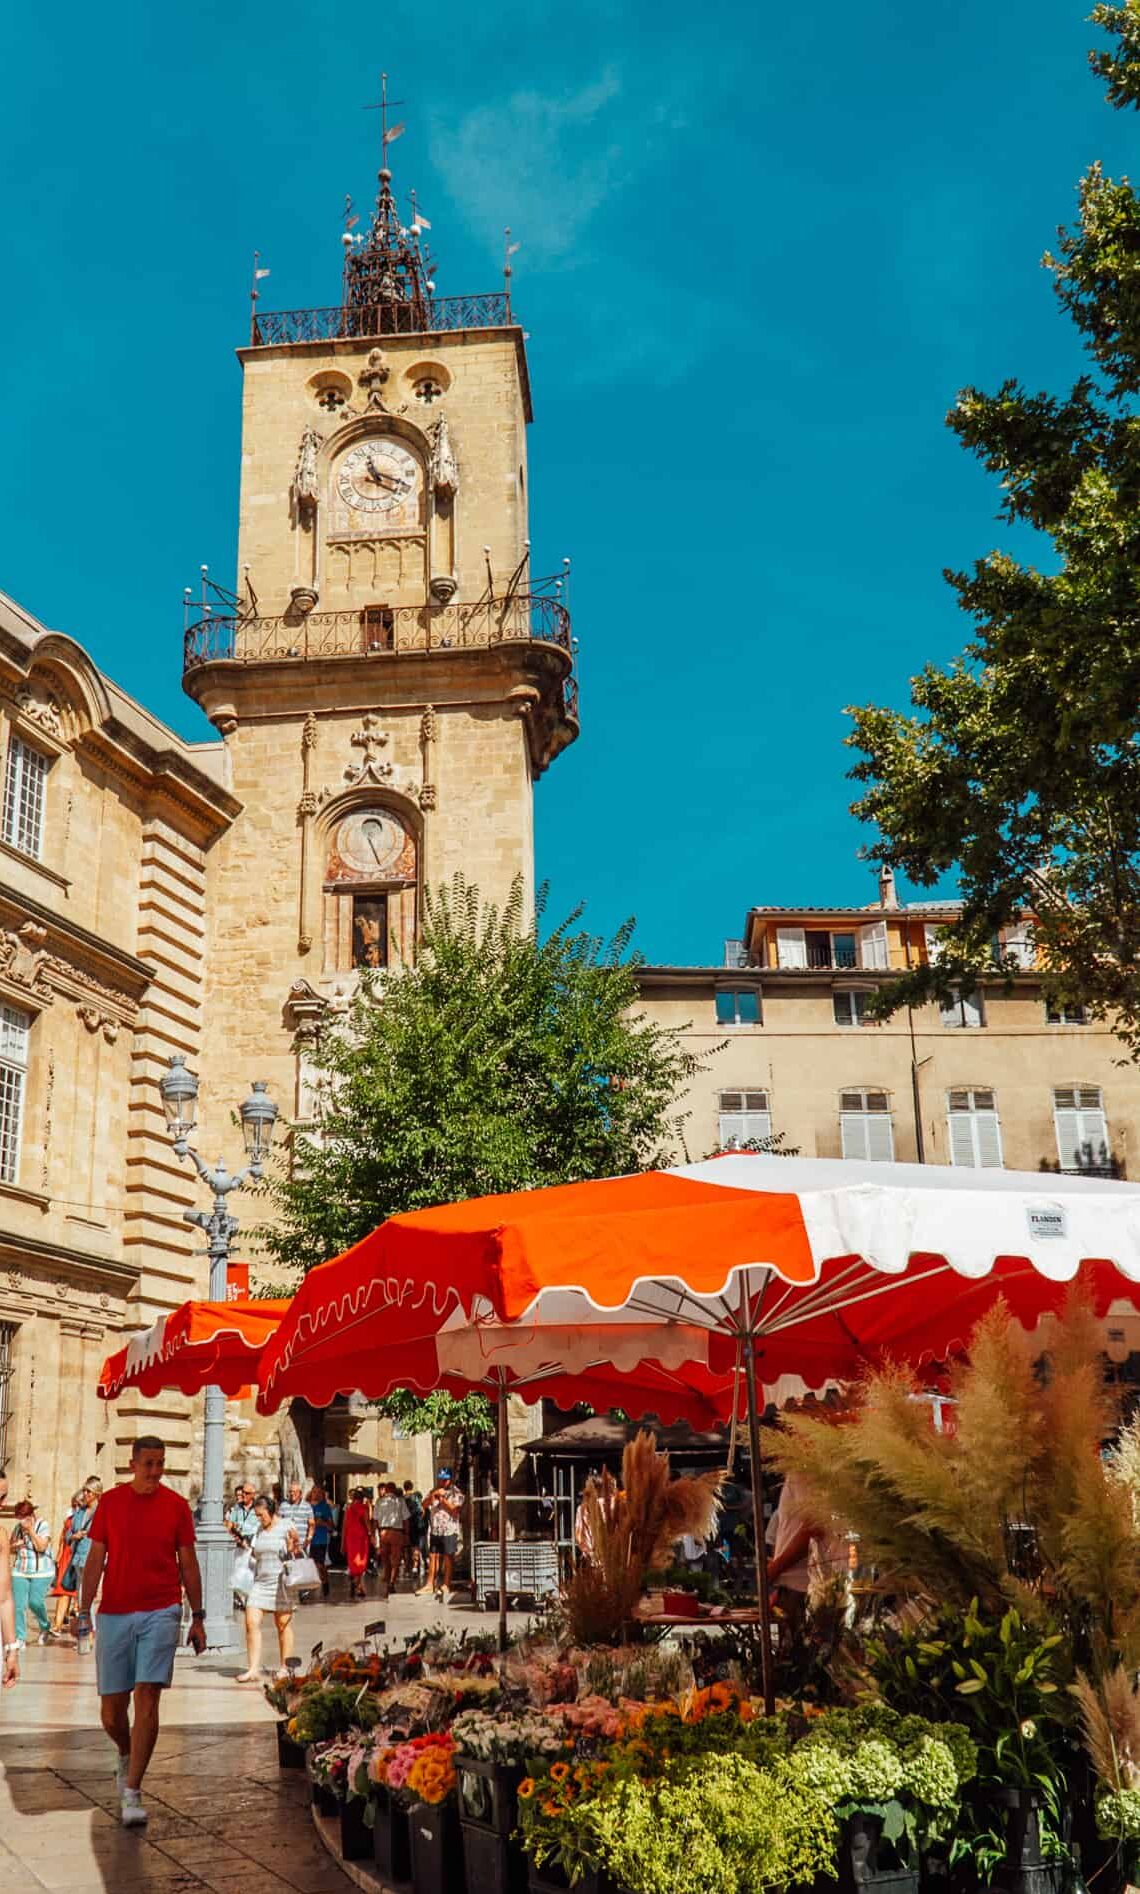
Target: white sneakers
[[131, 1811]]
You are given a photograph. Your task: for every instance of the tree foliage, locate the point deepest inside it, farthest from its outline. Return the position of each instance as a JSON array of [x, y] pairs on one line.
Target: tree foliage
[[503, 1060], [469, 1415], [1019, 765]]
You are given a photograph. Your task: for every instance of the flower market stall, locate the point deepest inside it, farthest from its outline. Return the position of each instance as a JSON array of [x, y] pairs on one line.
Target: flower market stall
[[785, 1273]]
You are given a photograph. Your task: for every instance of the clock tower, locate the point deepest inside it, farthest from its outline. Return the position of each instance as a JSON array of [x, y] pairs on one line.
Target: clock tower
[[388, 677]]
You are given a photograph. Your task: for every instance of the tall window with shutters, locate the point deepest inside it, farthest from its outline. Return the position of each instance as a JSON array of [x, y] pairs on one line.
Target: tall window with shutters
[[974, 1129], [1082, 1129], [7, 1338], [14, 1029], [744, 1116], [25, 781], [866, 1126], [965, 1009]]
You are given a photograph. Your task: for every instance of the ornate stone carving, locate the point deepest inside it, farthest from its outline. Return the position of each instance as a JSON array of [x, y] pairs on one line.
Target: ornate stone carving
[[13, 1279], [427, 796], [373, 377], [24, 961], [305, 484], [309, 733], [444, 466], [308, 804], [38, 705], [94, 1018], [373, 767], [443, 587], [429, 725], [63, 1290], [104, 1301]]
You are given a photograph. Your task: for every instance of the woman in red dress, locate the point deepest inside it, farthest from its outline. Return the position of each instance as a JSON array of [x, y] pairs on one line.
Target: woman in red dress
[[356, 1539]]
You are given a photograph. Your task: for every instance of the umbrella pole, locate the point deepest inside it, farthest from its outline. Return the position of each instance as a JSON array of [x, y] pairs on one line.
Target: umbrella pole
[[504, 1474], [761, 1548]]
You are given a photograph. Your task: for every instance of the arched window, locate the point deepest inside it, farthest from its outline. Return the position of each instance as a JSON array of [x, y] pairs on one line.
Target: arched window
[[974, 1129], [866, 1126]]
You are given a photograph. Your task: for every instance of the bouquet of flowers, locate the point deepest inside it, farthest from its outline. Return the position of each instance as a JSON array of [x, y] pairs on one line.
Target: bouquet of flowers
[[422, 1770], [509, 1738]]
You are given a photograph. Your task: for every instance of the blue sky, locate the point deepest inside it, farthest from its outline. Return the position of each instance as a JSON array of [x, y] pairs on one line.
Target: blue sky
[[761, 250]]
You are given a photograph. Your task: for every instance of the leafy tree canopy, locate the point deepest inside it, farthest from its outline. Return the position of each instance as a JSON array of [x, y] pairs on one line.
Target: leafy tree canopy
[[439, 1413], [1019, 766], [501, 1061]]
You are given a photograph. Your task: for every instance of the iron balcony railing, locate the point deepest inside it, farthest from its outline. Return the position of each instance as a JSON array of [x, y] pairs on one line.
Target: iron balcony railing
[[345, 321], [241, 637], [823, 957]]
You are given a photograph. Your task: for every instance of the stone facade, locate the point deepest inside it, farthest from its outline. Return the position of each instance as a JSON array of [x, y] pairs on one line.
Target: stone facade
[[792, 1052], [106, 818]]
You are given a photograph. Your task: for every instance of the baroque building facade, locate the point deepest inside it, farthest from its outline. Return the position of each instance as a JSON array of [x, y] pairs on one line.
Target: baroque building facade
[[386, 682]]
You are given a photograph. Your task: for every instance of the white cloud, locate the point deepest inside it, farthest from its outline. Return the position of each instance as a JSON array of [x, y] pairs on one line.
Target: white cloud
[[542, 163]]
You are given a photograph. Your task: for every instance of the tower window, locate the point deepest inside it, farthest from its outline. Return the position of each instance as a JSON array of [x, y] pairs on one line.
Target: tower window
[[370, 930], [330, 399], [427, 390], [378, 628]]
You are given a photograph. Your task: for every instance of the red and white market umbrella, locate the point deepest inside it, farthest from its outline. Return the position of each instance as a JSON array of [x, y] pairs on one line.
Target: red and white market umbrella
[[197, 1345], [799, 1270]]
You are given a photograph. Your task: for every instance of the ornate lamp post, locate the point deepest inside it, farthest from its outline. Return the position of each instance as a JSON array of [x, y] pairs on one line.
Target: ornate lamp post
[[179, 1088]]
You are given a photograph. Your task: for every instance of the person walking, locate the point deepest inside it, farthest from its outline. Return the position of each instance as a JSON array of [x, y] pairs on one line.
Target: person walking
[[142, 1548], [242, 1517], [33, 1569], [443, 1506], [274, 1541], [417, 1528], [297, 1512], [9, 1648], [324, 1523], [392, 1519], [62, 1592], [356, 1539]]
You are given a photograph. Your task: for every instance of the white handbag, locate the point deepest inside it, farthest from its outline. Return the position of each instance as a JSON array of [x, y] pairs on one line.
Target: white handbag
[[301, 1575], [244, 1569]]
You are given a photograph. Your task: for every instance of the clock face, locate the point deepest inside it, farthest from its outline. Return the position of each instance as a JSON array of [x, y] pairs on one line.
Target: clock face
[[378, 476], [373, 843]]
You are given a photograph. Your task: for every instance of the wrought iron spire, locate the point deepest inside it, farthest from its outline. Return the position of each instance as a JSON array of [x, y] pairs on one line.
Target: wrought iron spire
[[388, 285]]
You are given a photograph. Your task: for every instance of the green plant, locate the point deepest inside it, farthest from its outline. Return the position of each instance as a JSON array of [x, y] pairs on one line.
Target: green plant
[[327, 1710], [906, 1770]]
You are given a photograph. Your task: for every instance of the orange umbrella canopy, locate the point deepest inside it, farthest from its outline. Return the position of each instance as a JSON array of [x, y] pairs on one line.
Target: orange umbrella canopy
[[197, 1345]]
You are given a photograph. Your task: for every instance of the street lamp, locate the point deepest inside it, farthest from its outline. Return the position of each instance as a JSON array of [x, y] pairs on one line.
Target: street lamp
[[179, 1089]]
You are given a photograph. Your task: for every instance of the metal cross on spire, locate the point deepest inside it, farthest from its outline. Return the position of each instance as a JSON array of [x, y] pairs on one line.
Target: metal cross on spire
[[388, 134]]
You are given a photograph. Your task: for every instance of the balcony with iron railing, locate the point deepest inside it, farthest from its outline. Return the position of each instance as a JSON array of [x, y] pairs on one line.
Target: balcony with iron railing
[[431, 315]]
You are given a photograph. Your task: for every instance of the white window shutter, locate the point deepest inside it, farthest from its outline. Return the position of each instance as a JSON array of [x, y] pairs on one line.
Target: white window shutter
[[962, 1151], [1068, 1137], [873, 945], [853, 1129], [1019, 944], [933, 943], [757, 1124], [791, 947], [880, 1137], [972, 1009], [989, 1140]]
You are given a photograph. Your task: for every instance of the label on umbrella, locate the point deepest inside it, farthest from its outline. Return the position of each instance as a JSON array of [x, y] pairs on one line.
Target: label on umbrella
[[1047, 1220]]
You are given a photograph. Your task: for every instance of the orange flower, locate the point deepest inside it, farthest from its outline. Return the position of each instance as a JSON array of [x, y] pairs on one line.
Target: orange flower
[[559, 1771], [551, 1808], [526, 1788]]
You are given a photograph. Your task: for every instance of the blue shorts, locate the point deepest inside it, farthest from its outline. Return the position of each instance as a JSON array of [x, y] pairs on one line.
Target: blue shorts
[[135, 1647]]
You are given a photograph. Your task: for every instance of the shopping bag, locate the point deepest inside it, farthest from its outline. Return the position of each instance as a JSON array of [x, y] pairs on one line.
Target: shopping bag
[[301, 1575], [243, 1573]]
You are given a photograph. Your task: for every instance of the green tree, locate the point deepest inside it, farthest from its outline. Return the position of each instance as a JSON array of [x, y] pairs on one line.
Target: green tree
[[1019, 766], [503, 1060]]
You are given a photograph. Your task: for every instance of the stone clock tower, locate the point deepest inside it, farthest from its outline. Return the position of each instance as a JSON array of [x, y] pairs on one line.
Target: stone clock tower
[[388, 678]]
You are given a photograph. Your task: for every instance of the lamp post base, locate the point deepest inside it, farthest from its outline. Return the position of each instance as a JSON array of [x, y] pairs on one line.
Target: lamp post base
[[216, 1553]]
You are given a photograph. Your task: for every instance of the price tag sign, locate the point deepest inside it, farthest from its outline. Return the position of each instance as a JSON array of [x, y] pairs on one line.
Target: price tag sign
[[376, 1629], [315, 1652], [292, 1665]]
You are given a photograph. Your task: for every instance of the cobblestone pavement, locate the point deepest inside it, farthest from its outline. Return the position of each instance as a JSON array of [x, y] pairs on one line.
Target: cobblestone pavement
[[223, 1817]]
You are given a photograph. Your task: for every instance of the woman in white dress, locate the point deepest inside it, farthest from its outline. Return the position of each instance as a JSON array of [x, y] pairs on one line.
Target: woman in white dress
[[273, 1543]]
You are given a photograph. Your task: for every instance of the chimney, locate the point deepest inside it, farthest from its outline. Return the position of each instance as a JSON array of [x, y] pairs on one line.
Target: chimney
[[888, 897]]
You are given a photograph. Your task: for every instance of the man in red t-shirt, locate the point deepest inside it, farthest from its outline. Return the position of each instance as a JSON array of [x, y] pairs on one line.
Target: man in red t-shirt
[[142, 1547]]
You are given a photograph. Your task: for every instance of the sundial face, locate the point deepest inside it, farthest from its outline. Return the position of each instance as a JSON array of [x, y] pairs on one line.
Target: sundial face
[[371, 842]]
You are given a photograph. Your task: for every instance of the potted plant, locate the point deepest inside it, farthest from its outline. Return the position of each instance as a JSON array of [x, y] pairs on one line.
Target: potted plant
[[422, 1774], [492, 1753]]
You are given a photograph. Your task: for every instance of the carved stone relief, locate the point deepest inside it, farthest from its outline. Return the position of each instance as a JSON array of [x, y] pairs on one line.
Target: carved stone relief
[[305, 488], [40, 706], [24, 962], [372, 378], [444, 466], [371, 740]]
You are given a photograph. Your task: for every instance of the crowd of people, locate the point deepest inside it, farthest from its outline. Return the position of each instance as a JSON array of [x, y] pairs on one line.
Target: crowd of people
[[47, 1568]]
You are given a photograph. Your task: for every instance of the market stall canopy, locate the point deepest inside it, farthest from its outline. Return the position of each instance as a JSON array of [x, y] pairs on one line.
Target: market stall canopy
[[821, 1263], [343, 1460], [197, 1345]]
